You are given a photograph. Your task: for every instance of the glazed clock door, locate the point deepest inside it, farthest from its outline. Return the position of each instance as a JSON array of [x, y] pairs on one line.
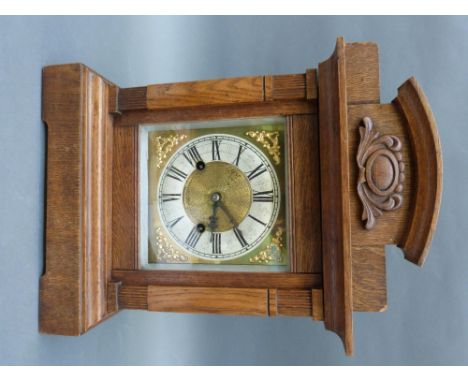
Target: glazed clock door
[[214, 195]]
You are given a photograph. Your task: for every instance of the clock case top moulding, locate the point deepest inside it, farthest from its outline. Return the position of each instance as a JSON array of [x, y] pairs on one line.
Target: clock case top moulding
[[378, 177]]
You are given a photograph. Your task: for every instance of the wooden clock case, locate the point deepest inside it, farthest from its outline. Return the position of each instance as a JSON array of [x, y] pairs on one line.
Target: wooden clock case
[[361, 175]]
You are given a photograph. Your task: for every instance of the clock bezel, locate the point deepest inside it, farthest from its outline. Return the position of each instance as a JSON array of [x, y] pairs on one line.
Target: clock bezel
[[219, 128]]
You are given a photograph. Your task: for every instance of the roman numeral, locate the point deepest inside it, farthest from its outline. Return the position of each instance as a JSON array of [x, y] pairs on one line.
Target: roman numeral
[[193, 237], [240, 237], [257, 220], [259, 170], [193, 156], [239, 153], [263, 196], [176, 174], [216, 242], [170, 197], [215, 142], [172, 223]]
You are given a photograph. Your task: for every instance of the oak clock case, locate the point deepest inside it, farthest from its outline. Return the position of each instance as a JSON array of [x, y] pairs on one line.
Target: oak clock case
[[269, 195]]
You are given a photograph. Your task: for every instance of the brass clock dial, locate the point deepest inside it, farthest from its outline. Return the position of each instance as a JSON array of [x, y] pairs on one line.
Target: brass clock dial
[[218, 197]]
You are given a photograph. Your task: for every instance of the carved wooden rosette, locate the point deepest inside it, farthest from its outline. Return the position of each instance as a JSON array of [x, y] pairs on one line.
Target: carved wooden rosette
[[381, 173]]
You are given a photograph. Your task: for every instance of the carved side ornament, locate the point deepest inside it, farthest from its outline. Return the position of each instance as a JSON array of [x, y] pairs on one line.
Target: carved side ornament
[[381, 173]]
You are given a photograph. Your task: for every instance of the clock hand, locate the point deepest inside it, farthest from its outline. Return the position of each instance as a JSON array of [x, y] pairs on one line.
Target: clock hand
[[231, 219], [213, 219], [215, 197], [237, 231]]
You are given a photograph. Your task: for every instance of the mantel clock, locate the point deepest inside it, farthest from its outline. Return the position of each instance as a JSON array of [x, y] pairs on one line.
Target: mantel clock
[[266, 195]]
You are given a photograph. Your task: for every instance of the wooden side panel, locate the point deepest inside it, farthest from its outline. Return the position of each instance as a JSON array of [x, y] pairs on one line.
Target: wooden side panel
[[362, 73], [304, 194], [425, 144], [125, 198], [411, 225], [197, 93], [369, 279], [334, 164], [79, 166], [231, 301]]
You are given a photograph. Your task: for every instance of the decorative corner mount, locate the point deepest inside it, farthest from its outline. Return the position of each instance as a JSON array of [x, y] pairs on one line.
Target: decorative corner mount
[[381, 172]]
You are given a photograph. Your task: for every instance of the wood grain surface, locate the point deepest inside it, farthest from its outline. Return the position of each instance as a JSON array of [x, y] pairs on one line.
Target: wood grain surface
[[133, 297], [223, 300], [132, 98], [125, 198], [317, 304], [231, 301], [78, 217], [285, 86], [209, 113], [311, 84], [304, 194], [219, 279], [334, 170], [369, 279], [290, 302], [227, 91], [198, 93], [362, 73]]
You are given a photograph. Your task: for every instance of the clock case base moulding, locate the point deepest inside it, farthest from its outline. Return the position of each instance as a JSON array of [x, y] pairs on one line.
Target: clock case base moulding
[[362, 175]]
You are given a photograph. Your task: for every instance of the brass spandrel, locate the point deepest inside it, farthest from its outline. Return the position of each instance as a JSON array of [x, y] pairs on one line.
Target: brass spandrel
[[270, 142]]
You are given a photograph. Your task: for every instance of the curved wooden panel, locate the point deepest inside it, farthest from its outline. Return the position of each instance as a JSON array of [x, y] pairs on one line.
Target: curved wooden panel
[[334, 169], [425, 145]]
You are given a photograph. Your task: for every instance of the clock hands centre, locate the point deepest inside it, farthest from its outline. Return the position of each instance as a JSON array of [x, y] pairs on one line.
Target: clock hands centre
[[217, 203], [215, 198], [220, 186], [226, 211]]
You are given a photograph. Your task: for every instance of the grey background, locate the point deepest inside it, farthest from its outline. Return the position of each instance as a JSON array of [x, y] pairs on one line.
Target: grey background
[[427, 318]]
